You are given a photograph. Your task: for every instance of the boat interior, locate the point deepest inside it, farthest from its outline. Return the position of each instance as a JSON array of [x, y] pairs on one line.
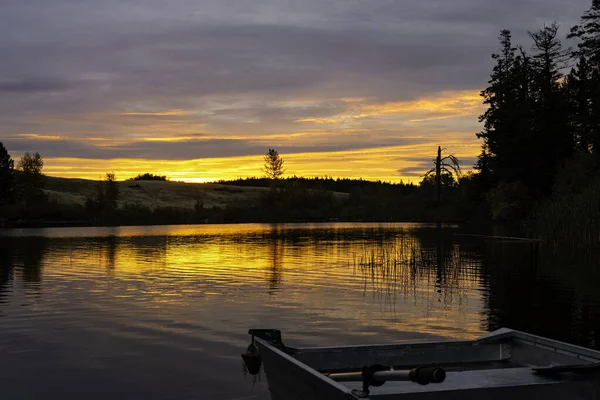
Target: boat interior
[[501, 359]]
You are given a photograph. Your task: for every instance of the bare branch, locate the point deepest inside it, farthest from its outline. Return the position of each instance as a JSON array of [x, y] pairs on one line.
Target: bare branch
[[431, 171]]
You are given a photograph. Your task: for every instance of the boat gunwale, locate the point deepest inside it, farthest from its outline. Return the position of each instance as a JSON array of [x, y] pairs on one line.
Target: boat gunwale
[[557, 346], [502, 335], [316, 374], [447, 343], [499, 336]]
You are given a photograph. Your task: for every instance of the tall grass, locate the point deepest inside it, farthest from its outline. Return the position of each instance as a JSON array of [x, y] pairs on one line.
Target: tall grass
[[571, 220], [406, 266]]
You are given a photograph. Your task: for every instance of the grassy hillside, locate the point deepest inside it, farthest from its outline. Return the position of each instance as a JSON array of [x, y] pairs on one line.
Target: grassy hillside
[[153, 194], [156, 194], [298, 199]]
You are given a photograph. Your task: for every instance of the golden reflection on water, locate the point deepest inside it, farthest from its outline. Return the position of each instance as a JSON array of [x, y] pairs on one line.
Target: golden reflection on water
[[157, 308], [325, 283]]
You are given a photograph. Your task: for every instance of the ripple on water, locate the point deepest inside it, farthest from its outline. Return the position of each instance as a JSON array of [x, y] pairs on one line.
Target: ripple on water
[[146, 309]]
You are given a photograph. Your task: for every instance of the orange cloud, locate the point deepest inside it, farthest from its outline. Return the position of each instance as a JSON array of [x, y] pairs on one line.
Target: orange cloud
[[445, 105], [157, 113], [34, 136], [390, 135]]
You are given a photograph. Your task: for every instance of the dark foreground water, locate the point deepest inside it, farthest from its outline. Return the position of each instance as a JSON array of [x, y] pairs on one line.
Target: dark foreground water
[[162, 312]]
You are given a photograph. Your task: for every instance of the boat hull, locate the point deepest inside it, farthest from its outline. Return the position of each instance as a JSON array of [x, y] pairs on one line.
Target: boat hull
[[495, 366]]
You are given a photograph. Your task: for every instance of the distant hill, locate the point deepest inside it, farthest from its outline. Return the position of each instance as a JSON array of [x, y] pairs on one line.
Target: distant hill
[[153, 194], [74, 201], [157, 194]]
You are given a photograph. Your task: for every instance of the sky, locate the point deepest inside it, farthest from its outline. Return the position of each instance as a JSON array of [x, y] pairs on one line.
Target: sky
[[199, 90]]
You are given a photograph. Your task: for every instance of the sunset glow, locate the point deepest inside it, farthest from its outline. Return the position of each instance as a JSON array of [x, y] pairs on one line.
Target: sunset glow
[[200, 91], [389, 141]]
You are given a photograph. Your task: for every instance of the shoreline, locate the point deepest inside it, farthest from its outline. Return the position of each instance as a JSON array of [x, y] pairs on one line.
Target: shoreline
[[87, 224]]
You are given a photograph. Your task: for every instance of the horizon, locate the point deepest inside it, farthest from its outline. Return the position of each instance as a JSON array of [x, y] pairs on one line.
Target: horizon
[[199, 92], [102, 178]]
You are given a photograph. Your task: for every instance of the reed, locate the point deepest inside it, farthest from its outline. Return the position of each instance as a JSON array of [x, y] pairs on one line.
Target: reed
[[405, 266], [571, 221]]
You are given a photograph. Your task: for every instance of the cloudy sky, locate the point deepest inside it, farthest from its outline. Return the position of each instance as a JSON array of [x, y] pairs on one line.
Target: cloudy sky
[[200, 89]]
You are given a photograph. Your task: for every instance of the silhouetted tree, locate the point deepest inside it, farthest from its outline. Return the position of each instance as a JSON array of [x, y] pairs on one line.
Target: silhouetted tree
[[526, 134], [111, 195], [447, 167], [553, 141], [504, 122], [273, 168], [105, 204], [577, 96], [31, 164], [482, 166], [446, 180], [588, 32], [588, 48], [32, 184], [7, 166], [149, 177]]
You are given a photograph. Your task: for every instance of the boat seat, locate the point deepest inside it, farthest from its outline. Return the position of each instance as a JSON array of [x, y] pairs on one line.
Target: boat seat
[[465, 380]]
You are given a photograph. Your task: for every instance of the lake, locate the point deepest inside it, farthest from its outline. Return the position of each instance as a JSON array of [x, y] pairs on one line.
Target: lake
[[162, 312]]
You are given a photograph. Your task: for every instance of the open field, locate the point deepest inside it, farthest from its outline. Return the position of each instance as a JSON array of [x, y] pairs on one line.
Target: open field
[[156, 194], [153, 193]]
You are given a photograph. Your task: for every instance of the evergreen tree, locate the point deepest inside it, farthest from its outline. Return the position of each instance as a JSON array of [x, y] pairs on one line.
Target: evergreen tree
[[553, 143], [577, 96], [273, 167], [506, 119], [588, 32], [588, 48], [7, 166]]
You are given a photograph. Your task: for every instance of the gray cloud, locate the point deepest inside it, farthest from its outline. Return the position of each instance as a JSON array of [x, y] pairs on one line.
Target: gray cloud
[[413, 172], [183, 149], [424, 164], [234, 61], [35, 86]]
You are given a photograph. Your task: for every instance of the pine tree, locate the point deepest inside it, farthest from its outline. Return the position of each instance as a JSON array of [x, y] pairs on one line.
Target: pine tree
[[576, 91], [7, 166], [588, 32], [273, 167], [553, 141], [506, 119], [588, 48]]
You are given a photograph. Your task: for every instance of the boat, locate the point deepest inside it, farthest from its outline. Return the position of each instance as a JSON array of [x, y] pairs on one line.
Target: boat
[[504, 364]]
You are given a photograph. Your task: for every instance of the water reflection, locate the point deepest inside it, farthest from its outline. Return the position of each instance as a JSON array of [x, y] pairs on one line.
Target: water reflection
[[6, 268], [427, 263], [190, 290], [441, 276], [304, 267], [276, 257], [549, 296], [23, 258], [111, 252], [30, 253]]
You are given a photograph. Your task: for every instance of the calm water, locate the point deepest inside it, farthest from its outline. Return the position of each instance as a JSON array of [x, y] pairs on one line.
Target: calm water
[[162, 312]]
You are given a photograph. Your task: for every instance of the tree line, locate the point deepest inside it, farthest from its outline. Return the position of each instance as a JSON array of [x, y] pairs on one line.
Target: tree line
[[24, 198], [28, 189], [540, 147], [541, 129], [284, 199]]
